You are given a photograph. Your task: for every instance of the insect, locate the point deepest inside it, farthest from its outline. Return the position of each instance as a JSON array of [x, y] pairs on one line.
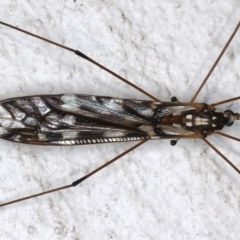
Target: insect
[[75, 119]]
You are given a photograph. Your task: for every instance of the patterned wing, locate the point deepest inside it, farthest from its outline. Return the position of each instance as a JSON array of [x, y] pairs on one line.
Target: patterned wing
[[69, 119]]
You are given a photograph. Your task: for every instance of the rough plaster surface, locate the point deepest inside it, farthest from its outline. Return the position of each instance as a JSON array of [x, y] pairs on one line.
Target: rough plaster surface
[[157, 191]]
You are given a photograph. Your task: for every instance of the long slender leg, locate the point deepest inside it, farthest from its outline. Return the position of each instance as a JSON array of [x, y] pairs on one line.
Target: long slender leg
[[228, 136], [225, 101], [216, 62], [219, 153], [75, 183], [82, 55]]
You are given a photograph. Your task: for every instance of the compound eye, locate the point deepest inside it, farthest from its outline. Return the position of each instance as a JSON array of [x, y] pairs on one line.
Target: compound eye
[[230, 115]]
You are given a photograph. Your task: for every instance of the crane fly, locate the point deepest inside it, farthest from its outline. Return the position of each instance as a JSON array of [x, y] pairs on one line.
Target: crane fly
[[77, 119]]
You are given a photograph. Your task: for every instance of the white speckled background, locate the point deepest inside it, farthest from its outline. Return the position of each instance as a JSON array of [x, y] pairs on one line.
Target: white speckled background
[[157, 191]]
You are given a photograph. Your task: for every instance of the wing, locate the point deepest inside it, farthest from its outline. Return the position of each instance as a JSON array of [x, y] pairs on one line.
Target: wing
[[69, 119]]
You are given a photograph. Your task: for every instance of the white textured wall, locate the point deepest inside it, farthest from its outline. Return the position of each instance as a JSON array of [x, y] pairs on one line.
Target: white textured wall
[[157, 191]]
